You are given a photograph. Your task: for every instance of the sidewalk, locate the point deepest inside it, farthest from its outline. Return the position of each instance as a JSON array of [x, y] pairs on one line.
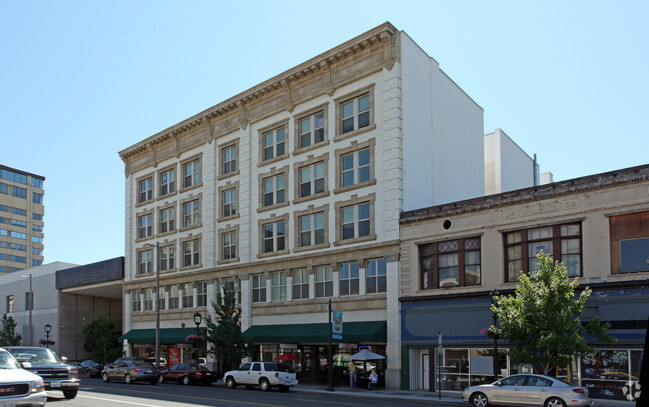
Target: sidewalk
[[419, 395]]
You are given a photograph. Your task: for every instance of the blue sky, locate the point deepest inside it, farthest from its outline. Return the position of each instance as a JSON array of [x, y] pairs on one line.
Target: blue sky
[[82, 80]]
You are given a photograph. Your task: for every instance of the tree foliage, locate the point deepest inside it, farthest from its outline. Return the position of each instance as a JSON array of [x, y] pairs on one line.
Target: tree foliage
[[8, 335], [542, 322], [224, 332], [102, 340]]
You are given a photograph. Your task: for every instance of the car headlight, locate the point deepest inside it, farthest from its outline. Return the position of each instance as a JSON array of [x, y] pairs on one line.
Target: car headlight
[[36, 386], [73, 373]]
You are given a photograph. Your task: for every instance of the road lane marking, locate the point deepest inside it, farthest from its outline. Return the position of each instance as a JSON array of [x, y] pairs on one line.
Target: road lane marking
[[119, 401]]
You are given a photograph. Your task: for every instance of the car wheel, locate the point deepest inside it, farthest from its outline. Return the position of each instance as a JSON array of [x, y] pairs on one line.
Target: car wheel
[[555, 402], [479, 400], [230, 383], [128, 379], [70, 394], [104, 377], [161, 379], [185, 380], [88, 373], [264, 385]]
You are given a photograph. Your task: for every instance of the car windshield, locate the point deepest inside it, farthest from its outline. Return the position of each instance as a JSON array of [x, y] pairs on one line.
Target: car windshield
[[7, 362], [35, 356]]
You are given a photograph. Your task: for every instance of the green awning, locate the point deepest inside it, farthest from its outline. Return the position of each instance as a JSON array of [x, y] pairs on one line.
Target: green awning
[[357, 332], [167, 335]]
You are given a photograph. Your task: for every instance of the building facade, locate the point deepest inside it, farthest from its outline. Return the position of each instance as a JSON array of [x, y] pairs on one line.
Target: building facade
[[453, 256], [291, 193], [21, 220]]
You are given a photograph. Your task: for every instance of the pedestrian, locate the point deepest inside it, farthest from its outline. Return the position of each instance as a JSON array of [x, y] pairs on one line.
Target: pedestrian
[[352, 375], [374, 378]]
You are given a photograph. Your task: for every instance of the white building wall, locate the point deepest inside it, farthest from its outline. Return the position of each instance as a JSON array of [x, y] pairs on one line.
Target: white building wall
[[507, 166], [443, 131]]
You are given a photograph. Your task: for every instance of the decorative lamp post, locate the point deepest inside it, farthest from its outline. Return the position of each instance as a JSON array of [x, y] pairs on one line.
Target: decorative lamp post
[[494, 295], [48, 329], [197, 320]]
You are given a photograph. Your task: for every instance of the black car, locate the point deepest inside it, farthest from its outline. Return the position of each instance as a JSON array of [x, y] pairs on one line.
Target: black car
[[90, 368]]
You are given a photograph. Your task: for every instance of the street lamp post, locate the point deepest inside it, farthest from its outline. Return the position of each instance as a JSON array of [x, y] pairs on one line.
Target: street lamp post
[[157, 302], [30, 300], [494, 295], [197, 320], [48, 329]]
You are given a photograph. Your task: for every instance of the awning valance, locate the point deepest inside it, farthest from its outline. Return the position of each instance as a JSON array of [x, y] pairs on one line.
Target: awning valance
[[167, 335], [357, 332]]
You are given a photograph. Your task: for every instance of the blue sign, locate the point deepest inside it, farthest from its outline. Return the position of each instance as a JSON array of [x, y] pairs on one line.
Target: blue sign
[[337, 325]]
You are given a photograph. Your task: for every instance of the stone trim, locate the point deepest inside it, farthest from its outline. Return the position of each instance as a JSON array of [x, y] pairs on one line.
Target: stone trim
[[284, 123], [220, 201], [221, 152], [181, 226], [355, 146], [311, 160], [228, 229], [311, 210], [260, 188], [181, 187], [260, 231], [159, 173], [340, 100], [353, 201], [297, 118], [201, 252]]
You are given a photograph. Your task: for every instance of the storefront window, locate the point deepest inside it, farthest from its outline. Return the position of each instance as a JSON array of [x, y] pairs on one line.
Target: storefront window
[[611, 374]]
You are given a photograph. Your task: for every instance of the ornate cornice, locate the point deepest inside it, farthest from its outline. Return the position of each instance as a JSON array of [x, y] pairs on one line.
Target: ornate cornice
[[323, 74]]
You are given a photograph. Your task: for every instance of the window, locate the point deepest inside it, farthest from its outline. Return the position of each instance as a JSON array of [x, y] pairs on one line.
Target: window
[[37, 183], [37, 251], [258, 288], [355, 114], [18, 259], [173, 297], [324, 281], [144, 262], [201, 294], [312, 129], [312, 180], [167, 259], [161, 299], [274, 143], [37, 198], [167, 220], [191, 173], [4, 188], [19, 192], [300, 284], [229, 159], [521, 248], [192, 213], [23, 236], [229, 245], [16, 246], [145, 187], [168, 182], [36, 216], [147, 303], [34, 238], [355, 167], [278, 286], [230, 202], [37, 228], [274, 190], [629, 243], [312, 229], [355, 221], [19, 223], [274, 235], [191, 253], [10, 303], [450, 263], [349, 281], [145, 228], [188, 295], [22, 212], [136, 304], [37, 262], [376, 276]]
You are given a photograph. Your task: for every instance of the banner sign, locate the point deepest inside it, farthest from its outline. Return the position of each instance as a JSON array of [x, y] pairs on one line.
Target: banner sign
[[337, 325]]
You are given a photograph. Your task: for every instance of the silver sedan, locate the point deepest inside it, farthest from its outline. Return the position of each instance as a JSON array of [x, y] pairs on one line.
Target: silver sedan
[[527, 390], [131, 371]]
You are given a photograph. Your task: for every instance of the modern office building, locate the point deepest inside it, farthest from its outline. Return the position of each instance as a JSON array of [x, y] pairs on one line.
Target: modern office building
[[453, 256], [21, 220], [290, 192]]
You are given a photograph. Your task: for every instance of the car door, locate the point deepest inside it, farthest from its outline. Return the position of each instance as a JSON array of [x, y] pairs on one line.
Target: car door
[[243, 374], [535, 390], [118, 371], [255, 373], [508, 390]]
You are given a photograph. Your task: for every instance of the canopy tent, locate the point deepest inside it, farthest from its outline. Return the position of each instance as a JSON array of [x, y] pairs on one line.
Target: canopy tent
[[365, 355]]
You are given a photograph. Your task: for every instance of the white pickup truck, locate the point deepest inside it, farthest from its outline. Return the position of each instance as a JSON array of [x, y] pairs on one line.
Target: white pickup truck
[[262, 374]]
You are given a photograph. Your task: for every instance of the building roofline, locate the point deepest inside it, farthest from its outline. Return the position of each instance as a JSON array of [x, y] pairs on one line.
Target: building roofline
[[572, 186], [381, 33], [4, 167]]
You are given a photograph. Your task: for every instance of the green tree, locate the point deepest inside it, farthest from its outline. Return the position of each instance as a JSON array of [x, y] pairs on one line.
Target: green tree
[[102, 339], [224, 332], [541, 321], [8, 335]]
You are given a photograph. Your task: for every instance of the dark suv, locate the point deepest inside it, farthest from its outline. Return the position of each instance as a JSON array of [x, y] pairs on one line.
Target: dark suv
[[44, 362]]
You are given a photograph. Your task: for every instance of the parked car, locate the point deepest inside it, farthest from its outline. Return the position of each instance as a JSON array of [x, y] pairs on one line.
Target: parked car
[[90, 368], [162, 361], [131, 371], [56, 374], [527, 390], [262, 374], [187, 374], [19, 387]]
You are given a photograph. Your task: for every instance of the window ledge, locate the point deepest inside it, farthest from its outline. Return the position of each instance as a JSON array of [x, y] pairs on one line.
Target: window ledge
[[271, 207], [311, 197], [355, 240], [354, 133], [228, 218], [167, 196], [171, 232], [312, 147], [189, 188], [272, 160], [229, 261], [186, 228], [228, 175], [194, 267], [363, 184]]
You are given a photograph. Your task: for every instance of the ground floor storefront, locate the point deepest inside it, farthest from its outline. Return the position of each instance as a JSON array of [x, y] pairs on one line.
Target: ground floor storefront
[[306, 348], [174, 346]]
